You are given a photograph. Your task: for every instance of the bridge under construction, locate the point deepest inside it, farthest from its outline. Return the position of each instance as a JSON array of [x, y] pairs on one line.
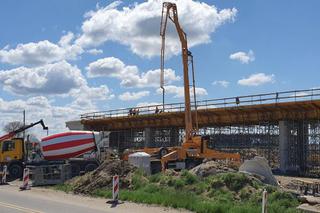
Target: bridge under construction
[[284, 127]]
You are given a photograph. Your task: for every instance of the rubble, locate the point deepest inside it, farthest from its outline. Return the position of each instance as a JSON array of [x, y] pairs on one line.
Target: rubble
[[212, 168], [101, 178]]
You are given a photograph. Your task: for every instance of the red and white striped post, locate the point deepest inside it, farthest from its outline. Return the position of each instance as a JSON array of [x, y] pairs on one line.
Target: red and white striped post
[[25, 184], [115, 188], [4, 175]]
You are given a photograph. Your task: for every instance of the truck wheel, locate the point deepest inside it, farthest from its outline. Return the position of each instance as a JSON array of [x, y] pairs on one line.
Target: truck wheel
[[90, 167], [15, 171], [75, 170], [163, 151]]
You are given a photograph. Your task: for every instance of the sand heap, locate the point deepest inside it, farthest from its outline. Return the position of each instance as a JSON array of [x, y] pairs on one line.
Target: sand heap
[[101, 178]]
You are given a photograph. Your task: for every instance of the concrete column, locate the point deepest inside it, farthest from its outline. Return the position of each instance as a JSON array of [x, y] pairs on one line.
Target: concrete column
[[284, 137], [302, 146], [174, 136], [148, 137]]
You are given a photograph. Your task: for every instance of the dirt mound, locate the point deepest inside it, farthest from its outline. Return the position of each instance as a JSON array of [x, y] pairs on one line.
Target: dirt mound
[[212, 168], [101, 178]]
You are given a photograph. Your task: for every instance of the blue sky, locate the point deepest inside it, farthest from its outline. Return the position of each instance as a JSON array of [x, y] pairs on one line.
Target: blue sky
[[58, 60]]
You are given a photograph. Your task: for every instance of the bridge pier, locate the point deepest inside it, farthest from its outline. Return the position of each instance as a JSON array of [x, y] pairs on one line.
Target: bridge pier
[[293, 145], [148, 137], [284, 137]]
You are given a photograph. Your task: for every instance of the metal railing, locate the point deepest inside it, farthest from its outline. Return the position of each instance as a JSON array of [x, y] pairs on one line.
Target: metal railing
[[266, 98]]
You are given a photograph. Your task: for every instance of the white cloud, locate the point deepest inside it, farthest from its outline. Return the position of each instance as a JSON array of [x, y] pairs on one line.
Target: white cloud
[[129, 75], [138, 26], [243, 57], [42, 52], [257, 79], [57, 78], [178, 92], [144, 104], [60, 79], [65, 40], [85, 97], [222, 83], [38, 107], [131, 96], [95, 51]]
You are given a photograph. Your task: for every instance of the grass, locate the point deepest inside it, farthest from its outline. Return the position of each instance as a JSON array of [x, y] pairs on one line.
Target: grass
[[223, 193]]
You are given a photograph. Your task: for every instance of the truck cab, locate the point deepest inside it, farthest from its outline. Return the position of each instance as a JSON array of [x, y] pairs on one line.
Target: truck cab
[[11, 154]]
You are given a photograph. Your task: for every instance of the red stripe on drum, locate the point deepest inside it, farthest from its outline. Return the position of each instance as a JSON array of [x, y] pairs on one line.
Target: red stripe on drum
[[69, 155], [67, 144], [65, 134]]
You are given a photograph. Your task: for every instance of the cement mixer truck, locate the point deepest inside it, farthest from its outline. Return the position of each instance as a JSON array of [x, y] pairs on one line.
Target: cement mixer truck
[[59, 148]]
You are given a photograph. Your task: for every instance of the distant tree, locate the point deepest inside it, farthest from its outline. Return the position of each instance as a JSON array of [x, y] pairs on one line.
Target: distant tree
[[12, 126]]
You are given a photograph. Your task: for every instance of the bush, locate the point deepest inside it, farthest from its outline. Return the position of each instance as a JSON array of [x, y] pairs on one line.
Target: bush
[[178, 184], [190, 178], [234, 181]]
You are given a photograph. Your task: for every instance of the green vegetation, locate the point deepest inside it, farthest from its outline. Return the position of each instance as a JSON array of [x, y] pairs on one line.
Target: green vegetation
[[228, 192]]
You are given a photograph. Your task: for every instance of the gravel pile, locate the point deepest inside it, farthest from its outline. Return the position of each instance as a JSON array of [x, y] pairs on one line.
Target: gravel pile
[[101, 178]]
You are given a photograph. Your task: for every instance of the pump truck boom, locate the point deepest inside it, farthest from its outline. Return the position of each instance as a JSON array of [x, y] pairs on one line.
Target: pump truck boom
[[194, 147]]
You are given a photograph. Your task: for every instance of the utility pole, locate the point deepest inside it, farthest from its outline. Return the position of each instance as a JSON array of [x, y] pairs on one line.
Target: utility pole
[[24, 123]]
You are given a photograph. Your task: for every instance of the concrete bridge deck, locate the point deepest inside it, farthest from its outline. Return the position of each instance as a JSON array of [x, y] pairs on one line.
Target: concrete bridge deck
[[243, 110]]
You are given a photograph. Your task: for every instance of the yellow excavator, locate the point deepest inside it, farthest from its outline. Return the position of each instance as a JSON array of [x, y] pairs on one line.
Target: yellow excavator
[[194, 147]]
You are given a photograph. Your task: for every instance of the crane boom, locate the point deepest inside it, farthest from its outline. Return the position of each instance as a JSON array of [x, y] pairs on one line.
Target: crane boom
[[21, 129], [169, 10]]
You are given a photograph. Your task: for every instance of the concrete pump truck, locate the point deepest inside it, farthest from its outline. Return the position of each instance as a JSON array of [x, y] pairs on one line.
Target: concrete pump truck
[[194, 147]]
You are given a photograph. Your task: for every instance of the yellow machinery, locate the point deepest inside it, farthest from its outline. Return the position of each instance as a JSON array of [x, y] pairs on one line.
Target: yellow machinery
[[12, 150]]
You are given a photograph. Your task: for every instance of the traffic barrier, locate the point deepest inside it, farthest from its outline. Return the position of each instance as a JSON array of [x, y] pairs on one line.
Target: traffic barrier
[[115, 188], [264, 201], [25, 184], [4, 175]]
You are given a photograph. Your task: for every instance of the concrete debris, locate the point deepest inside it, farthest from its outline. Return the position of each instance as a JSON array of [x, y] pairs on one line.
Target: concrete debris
[[259, 167], [309, 199], [101, 178], [309, 208], [212, 168]]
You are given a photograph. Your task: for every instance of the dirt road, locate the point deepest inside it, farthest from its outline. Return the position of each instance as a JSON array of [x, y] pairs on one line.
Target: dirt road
[[40, 200]]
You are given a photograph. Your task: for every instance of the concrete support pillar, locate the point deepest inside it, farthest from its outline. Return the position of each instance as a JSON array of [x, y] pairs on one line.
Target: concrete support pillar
[[174, 136], [302, 146], [148, 137], [293, 147], [284, 137]]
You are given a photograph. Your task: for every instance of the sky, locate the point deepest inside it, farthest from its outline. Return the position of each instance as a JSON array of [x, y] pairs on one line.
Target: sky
[[60, 59]]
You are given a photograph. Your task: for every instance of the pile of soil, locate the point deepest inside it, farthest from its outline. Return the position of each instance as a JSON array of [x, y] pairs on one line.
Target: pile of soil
[[101, 178], [213, 167]]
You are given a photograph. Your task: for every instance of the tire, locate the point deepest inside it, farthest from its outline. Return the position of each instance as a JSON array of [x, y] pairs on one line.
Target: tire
[[90, 167], [75, 170], [15, 171], [162, 152]]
